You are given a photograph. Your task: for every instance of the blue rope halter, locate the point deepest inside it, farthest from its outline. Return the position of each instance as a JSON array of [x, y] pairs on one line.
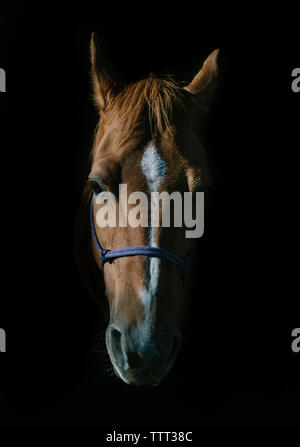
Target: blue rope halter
[[109, 255]]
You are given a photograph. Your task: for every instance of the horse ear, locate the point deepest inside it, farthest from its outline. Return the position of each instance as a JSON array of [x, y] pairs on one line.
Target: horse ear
[[205, 82], [105, 80]]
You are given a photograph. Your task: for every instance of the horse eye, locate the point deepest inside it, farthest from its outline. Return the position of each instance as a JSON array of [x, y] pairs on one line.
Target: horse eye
[[96, 187]]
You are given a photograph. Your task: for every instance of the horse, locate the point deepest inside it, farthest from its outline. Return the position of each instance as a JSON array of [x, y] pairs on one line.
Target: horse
[[149, 137]]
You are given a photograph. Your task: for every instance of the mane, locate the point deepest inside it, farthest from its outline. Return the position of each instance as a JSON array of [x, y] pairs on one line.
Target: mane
[[157, 99]]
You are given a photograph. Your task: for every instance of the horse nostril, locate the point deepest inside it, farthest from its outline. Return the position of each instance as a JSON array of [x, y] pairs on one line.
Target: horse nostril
[[139, 359], [116, 347]]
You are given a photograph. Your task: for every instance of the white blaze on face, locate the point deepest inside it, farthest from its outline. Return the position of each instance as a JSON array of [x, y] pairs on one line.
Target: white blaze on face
[[154, 169]]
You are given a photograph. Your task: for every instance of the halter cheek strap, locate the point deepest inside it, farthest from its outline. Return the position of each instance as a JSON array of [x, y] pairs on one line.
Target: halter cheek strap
[[106, 255]]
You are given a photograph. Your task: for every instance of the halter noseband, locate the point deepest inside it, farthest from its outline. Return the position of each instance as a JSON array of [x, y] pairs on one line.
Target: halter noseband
[[146, 250]]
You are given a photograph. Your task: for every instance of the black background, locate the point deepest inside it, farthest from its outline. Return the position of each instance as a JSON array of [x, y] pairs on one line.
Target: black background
[[247, 375]]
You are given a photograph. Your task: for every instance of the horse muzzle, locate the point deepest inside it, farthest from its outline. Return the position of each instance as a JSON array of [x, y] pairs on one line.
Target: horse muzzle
[[142, 355]]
